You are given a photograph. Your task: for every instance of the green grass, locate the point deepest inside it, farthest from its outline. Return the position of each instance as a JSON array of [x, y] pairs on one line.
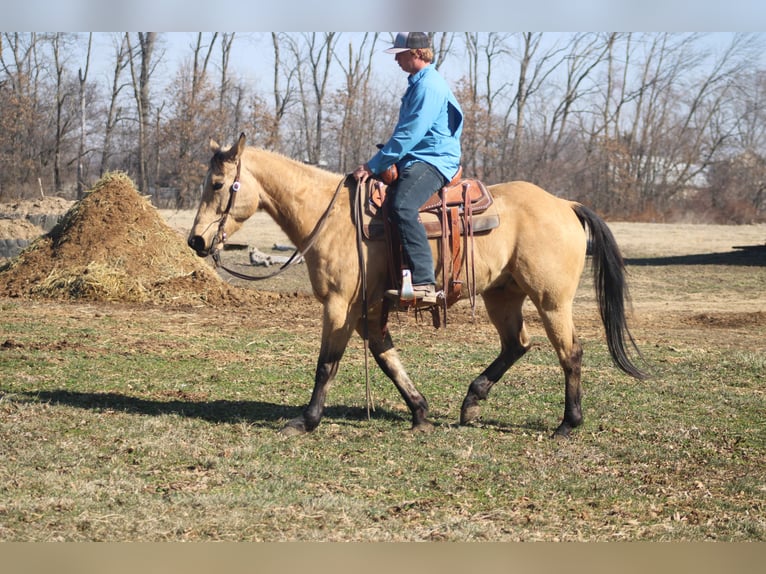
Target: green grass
[[122, 423]]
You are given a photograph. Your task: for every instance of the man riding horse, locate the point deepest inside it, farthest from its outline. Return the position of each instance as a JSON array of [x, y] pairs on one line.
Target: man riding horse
[[424, 149]]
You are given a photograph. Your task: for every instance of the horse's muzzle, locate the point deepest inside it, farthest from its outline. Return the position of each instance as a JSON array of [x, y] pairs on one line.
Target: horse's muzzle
[[197, 243]]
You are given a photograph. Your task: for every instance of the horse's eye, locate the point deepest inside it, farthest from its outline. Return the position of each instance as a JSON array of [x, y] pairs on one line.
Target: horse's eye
[[218, 185]]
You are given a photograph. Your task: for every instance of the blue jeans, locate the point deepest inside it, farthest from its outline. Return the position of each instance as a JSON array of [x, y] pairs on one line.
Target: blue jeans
[[415, 185]]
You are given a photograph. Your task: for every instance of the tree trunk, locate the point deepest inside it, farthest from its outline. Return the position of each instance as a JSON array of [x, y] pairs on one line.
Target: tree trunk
[[83, 77], [141, 78]]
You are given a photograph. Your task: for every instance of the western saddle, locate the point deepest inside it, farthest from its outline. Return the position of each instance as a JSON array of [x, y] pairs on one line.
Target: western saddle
[[454, 215]]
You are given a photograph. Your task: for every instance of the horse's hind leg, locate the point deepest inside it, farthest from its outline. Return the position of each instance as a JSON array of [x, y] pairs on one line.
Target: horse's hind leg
[[504, 309], [560, 330]]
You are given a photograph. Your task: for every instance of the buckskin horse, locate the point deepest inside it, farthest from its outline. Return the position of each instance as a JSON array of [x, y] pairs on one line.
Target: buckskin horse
[[538, 251]]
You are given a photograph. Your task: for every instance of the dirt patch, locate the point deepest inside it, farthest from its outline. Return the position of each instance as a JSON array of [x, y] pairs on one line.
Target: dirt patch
[[676, 240], [114, 246], [42, 206], [727, 320], [23, 221], [19, 229]]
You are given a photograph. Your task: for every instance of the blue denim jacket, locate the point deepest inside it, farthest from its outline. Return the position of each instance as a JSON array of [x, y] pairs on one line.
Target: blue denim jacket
[[429, 127]]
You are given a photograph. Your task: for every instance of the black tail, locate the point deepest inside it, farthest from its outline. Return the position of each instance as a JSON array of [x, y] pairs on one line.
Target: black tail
[[611, 289]]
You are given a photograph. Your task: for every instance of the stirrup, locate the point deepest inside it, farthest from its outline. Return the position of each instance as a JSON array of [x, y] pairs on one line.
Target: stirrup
[[425, 295]]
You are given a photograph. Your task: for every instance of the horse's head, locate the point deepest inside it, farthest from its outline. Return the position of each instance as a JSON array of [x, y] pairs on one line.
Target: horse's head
[[223, 207]]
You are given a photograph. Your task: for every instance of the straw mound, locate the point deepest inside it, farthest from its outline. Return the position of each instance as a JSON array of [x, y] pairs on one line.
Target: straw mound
[[114, 246]]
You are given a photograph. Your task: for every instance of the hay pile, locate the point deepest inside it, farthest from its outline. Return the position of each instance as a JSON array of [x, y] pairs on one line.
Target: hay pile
[[114, 246]]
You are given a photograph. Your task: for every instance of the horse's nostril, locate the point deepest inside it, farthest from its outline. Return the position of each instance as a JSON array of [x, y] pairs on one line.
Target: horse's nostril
[[197, 243]]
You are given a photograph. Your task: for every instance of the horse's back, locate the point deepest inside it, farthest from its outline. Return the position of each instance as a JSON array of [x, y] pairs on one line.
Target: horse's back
[[532, 210], [528, 198]]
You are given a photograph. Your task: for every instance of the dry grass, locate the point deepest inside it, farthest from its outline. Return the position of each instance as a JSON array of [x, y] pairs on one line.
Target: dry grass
[[124, 422], [147, 420]]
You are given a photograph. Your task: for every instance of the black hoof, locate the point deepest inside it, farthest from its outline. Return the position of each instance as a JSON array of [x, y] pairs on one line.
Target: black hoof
[[422, 427], [564, 430], [295, 427], [469, 412]]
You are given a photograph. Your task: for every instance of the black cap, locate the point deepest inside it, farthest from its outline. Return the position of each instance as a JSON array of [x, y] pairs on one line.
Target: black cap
[[409, 41]]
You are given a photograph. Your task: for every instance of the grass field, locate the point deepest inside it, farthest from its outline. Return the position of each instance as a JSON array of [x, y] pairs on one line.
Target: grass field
[[154, 423]]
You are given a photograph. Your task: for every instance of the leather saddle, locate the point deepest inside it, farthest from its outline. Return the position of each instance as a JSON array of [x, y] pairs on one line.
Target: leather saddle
[[467, 196], [454, 214]]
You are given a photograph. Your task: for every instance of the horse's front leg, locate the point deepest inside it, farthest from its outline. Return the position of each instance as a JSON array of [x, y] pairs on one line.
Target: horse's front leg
[[312, 414], [336, 331], [386, 356]]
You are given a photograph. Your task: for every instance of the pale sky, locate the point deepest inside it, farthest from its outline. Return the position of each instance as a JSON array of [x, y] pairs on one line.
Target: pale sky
[[252, 58], [350, 15]]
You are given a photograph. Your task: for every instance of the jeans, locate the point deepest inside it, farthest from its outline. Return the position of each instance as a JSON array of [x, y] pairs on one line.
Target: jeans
[[415, 185]]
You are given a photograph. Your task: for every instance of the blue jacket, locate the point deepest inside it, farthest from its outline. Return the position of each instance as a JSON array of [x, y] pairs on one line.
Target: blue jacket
[[429, 127]]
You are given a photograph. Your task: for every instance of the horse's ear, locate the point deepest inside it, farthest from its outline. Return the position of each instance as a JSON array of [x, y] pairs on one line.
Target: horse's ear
[[241, 144], [214, 147]]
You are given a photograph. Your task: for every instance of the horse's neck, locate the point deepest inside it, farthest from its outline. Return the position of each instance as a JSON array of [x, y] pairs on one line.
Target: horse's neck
[[296, 195]]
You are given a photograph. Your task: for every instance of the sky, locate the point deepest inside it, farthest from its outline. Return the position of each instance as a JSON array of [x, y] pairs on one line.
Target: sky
[[252, 57], [187, 16], [355, 15]]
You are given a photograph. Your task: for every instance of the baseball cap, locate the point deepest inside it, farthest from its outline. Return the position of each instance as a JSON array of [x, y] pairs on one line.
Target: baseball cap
[[409, 41]]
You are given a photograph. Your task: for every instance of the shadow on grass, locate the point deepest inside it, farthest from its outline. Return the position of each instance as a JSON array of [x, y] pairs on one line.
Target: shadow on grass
[[531, 425], [257, 413], [746, 256]]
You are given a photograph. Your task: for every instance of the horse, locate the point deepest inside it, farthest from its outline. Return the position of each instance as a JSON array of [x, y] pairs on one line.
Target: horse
[[538, 251]]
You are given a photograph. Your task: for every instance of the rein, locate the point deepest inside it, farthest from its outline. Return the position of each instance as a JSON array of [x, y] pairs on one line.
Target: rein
[[220, 237], [359, 224]]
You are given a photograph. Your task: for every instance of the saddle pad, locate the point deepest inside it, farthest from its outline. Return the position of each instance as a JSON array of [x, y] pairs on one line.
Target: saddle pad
[[374, 229]]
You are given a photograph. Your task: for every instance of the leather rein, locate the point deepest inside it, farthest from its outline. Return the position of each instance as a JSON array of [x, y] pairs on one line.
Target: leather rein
[[298, 254]]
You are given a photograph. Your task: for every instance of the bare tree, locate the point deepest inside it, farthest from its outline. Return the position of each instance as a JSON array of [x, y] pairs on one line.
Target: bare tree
[[482, 133], [194, 101], [442, 45], [65, 108], [121, 61], [354, 138], [22, 121], [19, 62], [226, 43], [313, 57], [282, 90], [141, 58], [82, 76], [533, 78]]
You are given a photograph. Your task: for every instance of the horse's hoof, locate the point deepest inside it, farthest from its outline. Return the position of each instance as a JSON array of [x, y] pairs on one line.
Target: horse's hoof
[[422, 427], [469, 414], [566, 427], [295, 427], [562, 433]]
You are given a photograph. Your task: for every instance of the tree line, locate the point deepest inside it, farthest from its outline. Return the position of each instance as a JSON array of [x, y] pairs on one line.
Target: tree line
[[652, 126]]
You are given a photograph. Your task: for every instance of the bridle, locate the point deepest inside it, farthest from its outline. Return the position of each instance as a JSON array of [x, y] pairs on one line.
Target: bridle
[[220, 235], [298, 254]]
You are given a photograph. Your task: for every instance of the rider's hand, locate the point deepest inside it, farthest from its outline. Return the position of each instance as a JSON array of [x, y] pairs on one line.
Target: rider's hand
[[362, 173]]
